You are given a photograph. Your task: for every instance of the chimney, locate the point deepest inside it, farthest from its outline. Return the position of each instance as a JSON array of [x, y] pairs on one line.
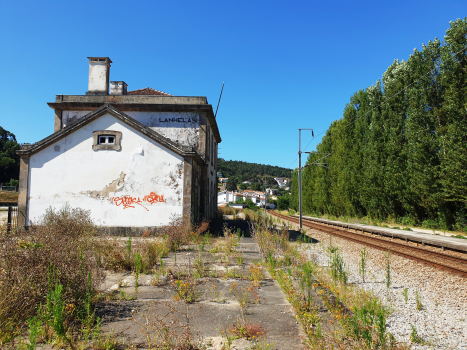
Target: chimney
[[118, 88], [99, 70]]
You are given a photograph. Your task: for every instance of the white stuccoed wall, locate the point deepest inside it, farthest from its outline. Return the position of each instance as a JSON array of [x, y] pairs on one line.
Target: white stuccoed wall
[[177, 126], [69, 171], [180, 126], [97, 76]]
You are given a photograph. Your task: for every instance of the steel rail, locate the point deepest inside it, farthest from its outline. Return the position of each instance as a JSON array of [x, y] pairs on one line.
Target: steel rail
[[363, 239], [400, 245]]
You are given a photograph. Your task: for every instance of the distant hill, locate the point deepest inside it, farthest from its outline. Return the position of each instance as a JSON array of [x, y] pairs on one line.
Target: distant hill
[[248, 171]]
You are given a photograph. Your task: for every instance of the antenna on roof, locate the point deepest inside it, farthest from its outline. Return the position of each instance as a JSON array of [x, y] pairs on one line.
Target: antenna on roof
[[215, 115]]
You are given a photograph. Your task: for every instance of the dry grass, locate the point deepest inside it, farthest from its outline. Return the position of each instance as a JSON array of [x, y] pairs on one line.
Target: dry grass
[[230, 211], [7, 196], [119, 255], [59, 251], [179, 232]]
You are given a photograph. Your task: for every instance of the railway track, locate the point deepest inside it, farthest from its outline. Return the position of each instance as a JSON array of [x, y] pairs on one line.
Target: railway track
[[443, 261]]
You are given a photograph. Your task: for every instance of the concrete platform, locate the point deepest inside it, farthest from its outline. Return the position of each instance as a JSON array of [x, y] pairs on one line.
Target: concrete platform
[[457, 244], [154, 308]]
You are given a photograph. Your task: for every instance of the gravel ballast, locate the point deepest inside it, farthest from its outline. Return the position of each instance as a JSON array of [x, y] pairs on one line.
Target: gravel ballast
[[442, 321]]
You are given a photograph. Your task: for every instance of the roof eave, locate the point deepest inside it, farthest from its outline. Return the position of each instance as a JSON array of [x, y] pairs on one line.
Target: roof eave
[[172, 107], [184, 151]]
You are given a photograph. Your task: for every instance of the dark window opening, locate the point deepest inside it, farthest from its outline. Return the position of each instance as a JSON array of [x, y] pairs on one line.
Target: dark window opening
[[106, 140]]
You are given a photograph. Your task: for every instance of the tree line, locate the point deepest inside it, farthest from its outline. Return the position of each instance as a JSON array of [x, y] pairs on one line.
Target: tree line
[[399, 151], [9, 160], [249, 171]]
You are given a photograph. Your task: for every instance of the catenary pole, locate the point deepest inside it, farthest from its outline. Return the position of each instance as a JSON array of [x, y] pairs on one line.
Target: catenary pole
[[300, 177], [300, 174]]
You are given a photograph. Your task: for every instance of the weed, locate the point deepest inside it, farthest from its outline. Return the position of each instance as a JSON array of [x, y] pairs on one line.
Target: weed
[[418, 301], [123, 296], [362, 263], [271, 262], [229, 337], [414, 337], [241, 295], [240, 259], [243, 328], [128, 248], [256, 274], [232, 273], [214, 294], [200, 269], [338, 270], [369, 323], [318, 330], [214, 273], [179, 232], [34, 324], [388, 270], [331, 248], [406, 295], [88, 319], [107, 343], [306, 279], [163, 272], [186, 290], [138, 267]]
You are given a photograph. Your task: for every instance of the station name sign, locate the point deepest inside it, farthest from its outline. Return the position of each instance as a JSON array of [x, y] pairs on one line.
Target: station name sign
[[178, 120]]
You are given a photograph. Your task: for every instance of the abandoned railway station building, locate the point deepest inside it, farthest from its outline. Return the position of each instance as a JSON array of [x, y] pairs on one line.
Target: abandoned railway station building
[[134, 159]]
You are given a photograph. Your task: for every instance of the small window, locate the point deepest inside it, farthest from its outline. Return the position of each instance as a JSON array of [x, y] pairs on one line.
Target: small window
[[106, 140]]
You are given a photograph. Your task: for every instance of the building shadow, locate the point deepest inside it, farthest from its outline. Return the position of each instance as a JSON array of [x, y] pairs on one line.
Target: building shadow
[[216, 227], [296, 236]]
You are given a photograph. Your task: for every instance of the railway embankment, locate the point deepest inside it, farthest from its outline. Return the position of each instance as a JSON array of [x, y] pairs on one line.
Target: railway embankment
[[429, 304]]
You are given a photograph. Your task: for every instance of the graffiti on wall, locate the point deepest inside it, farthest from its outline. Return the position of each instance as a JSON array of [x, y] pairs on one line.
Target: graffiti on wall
[[130, 202]]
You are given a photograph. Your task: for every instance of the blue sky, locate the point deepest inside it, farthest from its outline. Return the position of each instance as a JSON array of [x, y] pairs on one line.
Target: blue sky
[[286, 65]]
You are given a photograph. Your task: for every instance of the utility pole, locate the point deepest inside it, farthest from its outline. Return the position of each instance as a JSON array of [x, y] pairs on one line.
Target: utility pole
[[300, 173]]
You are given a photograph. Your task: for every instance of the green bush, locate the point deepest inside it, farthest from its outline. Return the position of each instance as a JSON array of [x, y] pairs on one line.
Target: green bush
[[431, 224]]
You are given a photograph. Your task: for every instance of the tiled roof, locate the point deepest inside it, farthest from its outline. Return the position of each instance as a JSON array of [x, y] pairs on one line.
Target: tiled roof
[[148, 91]]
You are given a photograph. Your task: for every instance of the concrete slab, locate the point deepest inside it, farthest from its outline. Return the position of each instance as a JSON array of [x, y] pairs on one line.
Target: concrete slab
[[217, 309]]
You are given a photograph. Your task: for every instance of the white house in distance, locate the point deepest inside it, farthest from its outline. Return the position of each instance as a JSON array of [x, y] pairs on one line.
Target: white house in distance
[[134, 159], [281, 182], [225, 197]]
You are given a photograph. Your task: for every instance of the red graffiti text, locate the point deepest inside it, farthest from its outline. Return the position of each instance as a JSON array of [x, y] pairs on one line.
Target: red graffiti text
[[130, 202]]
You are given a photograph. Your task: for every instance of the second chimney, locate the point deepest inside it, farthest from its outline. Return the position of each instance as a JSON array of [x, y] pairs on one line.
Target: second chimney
[[118, 88], [99, 72]]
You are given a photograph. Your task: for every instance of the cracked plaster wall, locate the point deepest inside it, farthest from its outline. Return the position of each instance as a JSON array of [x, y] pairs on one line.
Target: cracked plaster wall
[[148, 175], [182, 127]]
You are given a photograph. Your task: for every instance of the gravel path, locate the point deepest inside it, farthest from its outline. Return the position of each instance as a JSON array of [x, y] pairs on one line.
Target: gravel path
[[442, 322]]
